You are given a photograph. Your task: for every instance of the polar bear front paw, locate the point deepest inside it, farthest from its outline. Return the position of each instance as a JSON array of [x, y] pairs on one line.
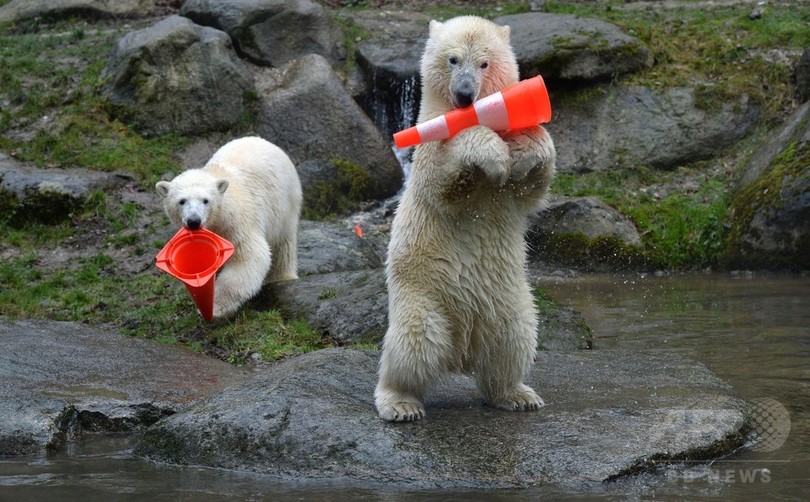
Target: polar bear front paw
[[522, 399], [404, 409]]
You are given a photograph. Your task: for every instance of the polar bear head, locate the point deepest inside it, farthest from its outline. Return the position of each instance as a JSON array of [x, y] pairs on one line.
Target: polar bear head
[[193, 199], [466, 58]]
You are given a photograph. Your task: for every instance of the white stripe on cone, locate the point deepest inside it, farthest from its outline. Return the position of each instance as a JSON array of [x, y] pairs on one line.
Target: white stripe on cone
[[433, 130], [491, 112]]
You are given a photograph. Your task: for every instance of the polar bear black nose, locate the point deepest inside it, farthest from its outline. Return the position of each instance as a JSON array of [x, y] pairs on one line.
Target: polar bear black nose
[[464, 93], [193, 223], [464, 97]]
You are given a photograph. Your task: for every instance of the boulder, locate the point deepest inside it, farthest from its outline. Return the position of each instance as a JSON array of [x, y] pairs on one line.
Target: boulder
[[348, 307], [271, 32], [588, 216], [20, 10], [330, 246], [62, 380], [48, 195], [609, 127], [562, 46], [311, 116], [769, 217], [177, 77], [608, 414], [584, 232]]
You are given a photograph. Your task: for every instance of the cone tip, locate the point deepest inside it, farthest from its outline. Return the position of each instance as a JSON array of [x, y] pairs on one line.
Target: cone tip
[[406, 138]]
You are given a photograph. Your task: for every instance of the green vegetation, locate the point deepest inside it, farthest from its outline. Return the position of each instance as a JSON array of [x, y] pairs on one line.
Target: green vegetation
[[50, 76], [147, 304], [683, 228], [718, 46]]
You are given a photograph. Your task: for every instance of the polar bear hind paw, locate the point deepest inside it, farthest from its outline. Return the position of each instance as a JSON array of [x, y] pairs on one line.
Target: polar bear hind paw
[[522, 399], [409, 410]]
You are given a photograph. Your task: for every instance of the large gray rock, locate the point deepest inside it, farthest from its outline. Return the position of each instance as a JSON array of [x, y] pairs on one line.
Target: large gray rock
[[61, 380], [177, 77], [608, 414], [325, 247], [48, 195], [769, 220], [19, 10], [586, 233], [312, 116], [348, 307], [271, 32], [618, 127], [588, 216], [561, 46]]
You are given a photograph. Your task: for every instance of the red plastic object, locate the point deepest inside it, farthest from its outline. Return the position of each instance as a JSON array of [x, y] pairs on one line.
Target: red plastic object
[[524, 104], [194, 257]]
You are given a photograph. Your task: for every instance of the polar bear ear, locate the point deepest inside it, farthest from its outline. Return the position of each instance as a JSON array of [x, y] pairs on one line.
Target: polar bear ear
[[504, 32], [435, 28], [162, 188], [222, 185]]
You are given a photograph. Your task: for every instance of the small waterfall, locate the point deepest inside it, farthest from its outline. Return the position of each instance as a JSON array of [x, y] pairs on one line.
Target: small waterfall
[[393, 105], [408, 111]]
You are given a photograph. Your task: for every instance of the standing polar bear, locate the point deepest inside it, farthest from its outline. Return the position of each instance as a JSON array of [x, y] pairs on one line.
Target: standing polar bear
[[458, 295], [250, 194]]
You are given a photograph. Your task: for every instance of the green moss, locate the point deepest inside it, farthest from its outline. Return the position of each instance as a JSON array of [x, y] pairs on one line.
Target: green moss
[[327, 294], [678, 230], [352, 33], [543, 302], [264, 333], [79, 131], [579, 98], [603, 252], [340, 195], [720, 45], [763, 196], [42, 206]]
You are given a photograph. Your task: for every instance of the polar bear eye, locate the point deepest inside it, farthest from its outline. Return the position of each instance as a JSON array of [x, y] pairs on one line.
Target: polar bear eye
[[182, 202], [484, 65], [205, 201], [453, 60]]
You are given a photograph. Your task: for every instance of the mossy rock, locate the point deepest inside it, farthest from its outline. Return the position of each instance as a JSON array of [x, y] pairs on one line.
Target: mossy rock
[[561, 327], [601, 253], [769, 218], [340, 188]]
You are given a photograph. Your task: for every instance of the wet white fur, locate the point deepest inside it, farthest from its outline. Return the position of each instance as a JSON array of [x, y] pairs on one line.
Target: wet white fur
[[253, 199], [458, 295]]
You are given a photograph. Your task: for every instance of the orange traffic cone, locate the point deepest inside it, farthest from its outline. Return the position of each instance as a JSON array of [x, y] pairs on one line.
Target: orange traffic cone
[[524, 104], [194, 256]]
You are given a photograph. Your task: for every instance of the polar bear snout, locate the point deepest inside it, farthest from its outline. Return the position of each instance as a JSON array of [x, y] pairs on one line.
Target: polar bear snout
[[193, 212], [193, 223], [464, 92]]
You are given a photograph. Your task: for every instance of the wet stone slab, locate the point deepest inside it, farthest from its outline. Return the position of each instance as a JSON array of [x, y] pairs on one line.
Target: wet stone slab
[[61, 379], [609, 414]]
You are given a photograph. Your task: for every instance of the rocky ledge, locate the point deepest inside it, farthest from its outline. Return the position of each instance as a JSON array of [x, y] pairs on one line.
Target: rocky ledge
[[608, 414], [62, 380]]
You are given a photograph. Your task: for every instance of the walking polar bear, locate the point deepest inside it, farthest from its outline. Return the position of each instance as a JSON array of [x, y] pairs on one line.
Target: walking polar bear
[[250, 194], [458, 295]]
